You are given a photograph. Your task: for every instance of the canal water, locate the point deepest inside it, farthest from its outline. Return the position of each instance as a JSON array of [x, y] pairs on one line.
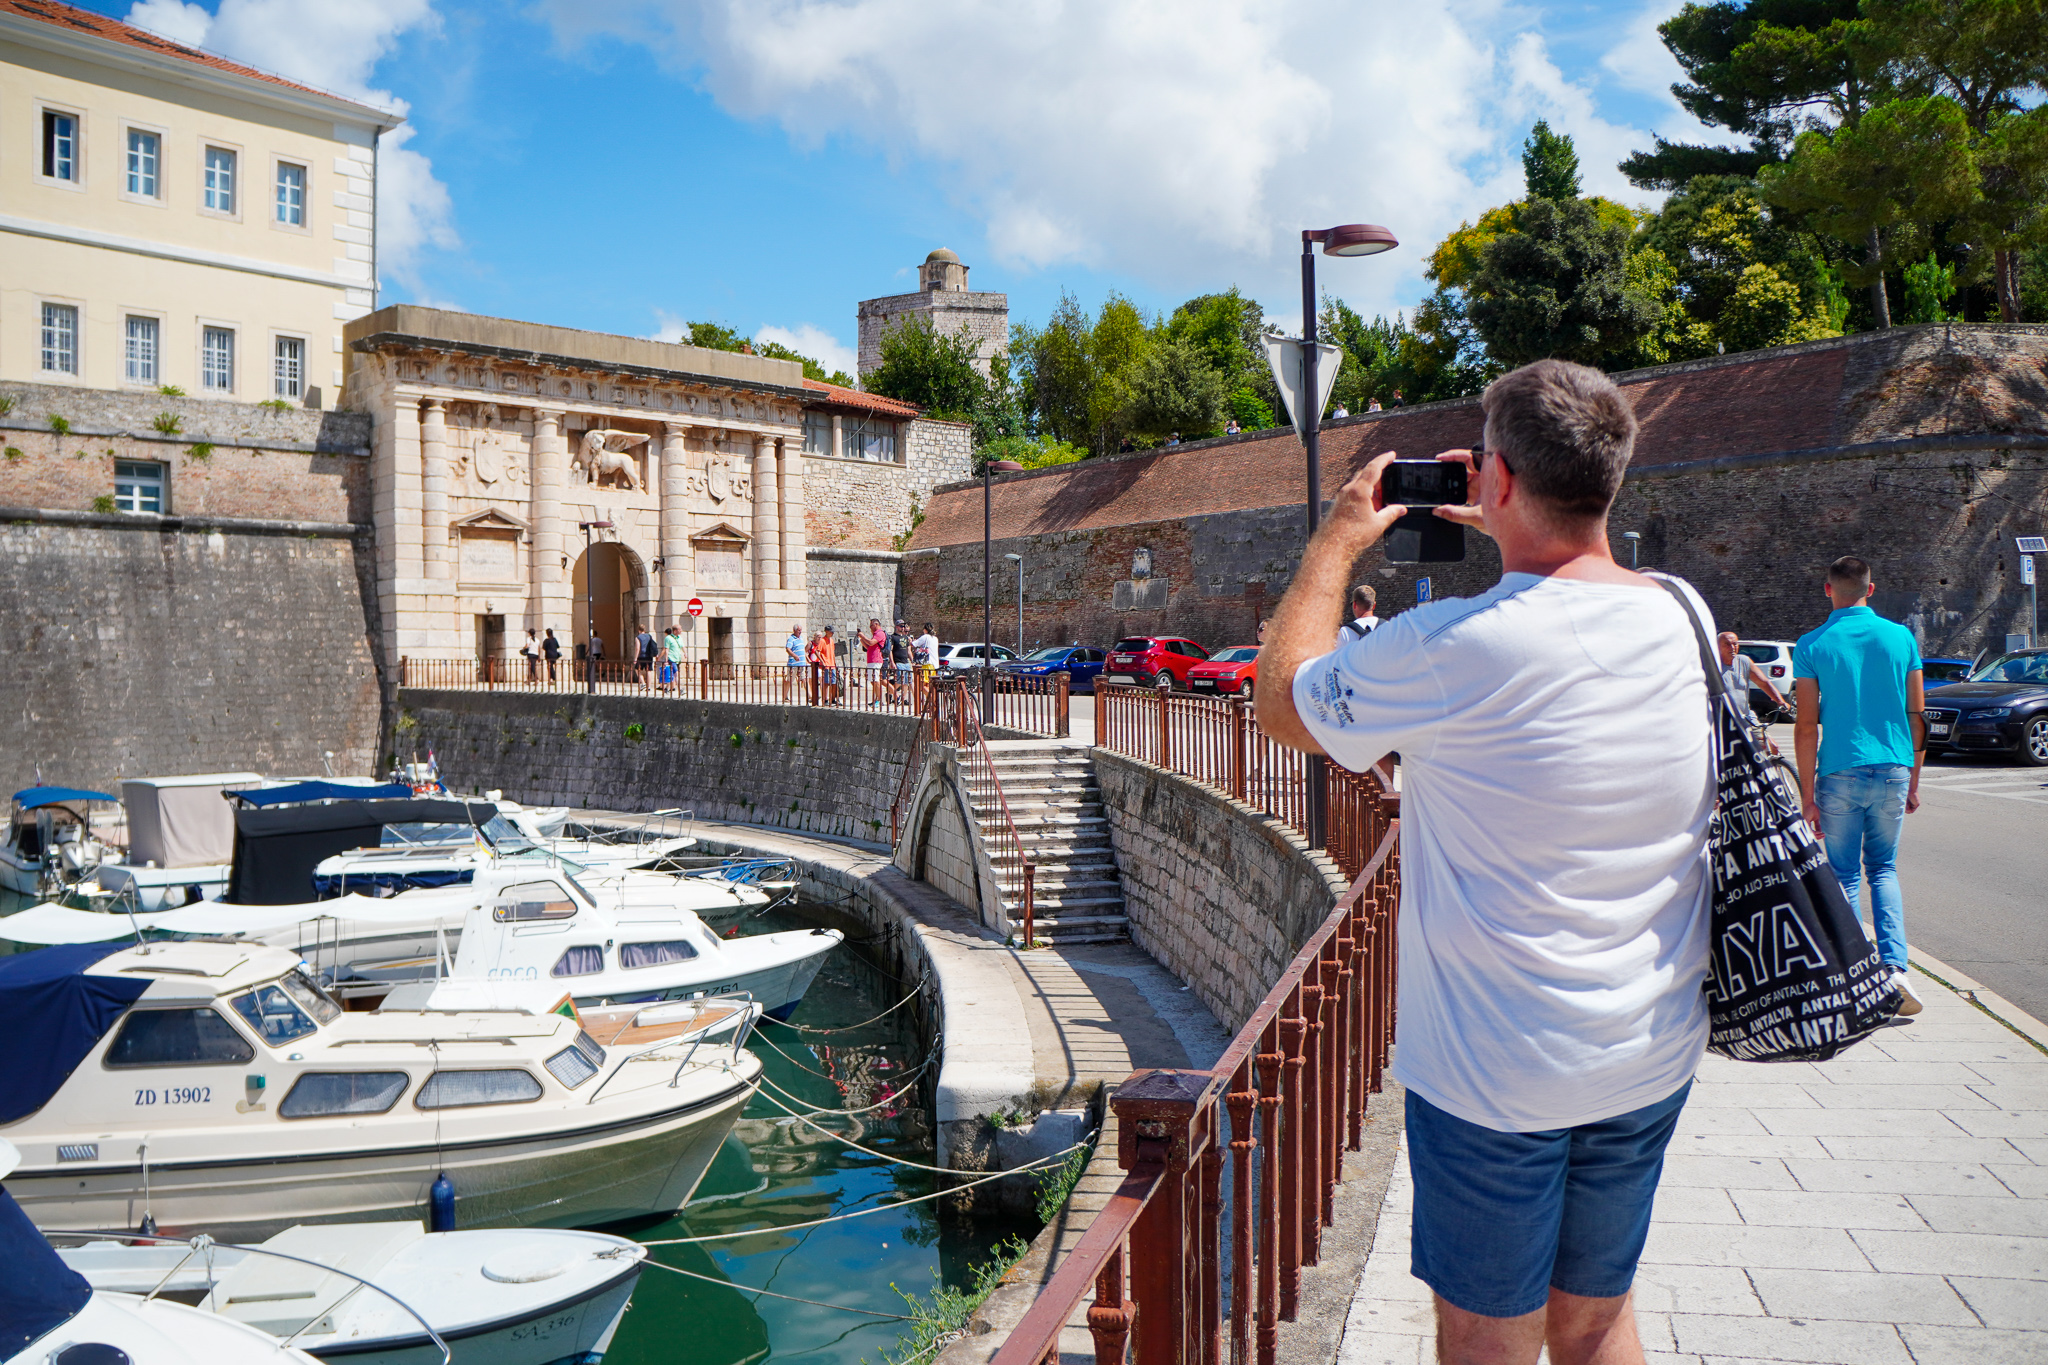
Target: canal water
[[774, 1171]]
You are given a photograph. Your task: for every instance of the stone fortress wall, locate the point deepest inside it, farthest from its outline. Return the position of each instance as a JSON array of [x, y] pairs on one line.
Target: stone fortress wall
[[943, 300]]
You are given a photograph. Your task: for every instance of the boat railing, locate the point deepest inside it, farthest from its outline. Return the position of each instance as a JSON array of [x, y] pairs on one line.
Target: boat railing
[[203, 1243]]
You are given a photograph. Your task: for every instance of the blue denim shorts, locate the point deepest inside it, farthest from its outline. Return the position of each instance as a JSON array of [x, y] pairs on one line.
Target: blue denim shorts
[[1501, 1219]]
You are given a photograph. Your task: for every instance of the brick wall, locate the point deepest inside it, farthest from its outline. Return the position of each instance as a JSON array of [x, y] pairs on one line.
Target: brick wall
[[225, 460], [135, 649], [1755, 539], [1219, 895]]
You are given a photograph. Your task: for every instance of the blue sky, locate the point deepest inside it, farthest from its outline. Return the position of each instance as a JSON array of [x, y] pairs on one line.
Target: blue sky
[[623, 165]]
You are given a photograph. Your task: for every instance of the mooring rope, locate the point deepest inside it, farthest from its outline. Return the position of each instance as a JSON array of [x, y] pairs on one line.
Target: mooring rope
[[750, 1289], [761, 1041], [849, 1142], [889, 1098], [806, 1028], [1041, 1164]]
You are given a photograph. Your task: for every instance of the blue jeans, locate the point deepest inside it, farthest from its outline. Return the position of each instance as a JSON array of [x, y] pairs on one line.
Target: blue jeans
[[1862, 811], [1501, 1219]]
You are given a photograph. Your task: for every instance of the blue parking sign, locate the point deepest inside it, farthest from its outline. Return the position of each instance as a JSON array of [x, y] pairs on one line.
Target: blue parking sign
[[1421, 591]]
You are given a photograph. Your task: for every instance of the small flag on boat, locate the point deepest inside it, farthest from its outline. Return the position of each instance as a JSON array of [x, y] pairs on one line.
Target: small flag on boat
[[566, 1007]]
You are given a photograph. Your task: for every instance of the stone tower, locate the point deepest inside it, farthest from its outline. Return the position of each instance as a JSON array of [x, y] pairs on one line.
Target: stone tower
[[944, 299]]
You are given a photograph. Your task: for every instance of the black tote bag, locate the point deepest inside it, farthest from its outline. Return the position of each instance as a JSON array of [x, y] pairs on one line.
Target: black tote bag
[[1792, 977]]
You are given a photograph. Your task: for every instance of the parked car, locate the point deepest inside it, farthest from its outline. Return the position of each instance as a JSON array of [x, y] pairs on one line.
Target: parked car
[[1773, 659], [2001, 708], [1933, 671], [960, 658], [1234, 670], [1145, 659], [1080, 662]]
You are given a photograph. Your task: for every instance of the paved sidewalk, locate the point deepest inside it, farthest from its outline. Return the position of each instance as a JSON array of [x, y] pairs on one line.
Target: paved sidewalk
[[1888, 1207]]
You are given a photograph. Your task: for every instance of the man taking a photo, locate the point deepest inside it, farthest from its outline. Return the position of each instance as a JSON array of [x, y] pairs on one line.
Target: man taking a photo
[[1558, 778], [1860, 739]]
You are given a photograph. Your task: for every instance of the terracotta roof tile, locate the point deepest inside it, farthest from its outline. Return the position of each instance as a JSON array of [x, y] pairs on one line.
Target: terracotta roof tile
[[57, 13], [854, 398]]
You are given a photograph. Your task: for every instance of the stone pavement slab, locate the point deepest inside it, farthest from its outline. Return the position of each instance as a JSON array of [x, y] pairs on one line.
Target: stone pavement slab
[[1886, 1208]]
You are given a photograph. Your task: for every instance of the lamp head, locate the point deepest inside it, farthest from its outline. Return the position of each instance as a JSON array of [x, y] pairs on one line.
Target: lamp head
[[1006, 466], [1352, 239], [1018, 558]]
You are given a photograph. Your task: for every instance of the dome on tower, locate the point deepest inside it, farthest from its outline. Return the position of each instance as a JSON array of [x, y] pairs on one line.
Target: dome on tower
[[942, 255]]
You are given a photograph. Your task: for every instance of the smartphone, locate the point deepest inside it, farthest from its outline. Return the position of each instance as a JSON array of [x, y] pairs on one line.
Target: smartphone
[[1422, 537]]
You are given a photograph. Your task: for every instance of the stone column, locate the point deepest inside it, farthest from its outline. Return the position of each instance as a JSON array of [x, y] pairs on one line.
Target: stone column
[[438, 557], [675, 516], [838, 437], [790, 500], [549, 470], [767, 518]]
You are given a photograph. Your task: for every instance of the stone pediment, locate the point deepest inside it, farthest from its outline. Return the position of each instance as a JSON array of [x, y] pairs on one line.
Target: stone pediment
[[724, 533], [491, 519]]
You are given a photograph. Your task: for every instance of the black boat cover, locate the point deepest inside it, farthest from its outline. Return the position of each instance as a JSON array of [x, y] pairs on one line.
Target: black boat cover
[[277, 850], [39, 1293], [52, 1014], [320, 791]]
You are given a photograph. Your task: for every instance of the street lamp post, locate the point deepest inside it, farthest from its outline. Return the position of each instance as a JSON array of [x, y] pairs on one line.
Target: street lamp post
[[1352, 239], [590, 602], [1020, 602], [1635, 540], [988, 672]]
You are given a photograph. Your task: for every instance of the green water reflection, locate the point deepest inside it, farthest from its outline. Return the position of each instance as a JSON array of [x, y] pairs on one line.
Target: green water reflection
[[774, 1171]]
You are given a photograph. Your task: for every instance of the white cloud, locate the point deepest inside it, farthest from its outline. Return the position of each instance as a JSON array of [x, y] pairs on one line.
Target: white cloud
[[815, 342], [1186, 144], [668, 327], [334, 47]]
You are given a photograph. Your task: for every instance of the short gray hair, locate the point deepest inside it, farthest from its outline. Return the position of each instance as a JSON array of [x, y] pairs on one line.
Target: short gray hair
[[1566, 430]]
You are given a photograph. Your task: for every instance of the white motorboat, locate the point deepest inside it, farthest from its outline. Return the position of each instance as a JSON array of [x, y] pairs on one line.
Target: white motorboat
[[50, 1313], [216, 1087], [50, 844], [422, 855], [348, 1291], [632, 937], [181, 840]]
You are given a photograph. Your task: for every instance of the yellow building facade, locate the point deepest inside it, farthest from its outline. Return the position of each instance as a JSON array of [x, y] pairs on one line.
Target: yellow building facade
[[168, 218]]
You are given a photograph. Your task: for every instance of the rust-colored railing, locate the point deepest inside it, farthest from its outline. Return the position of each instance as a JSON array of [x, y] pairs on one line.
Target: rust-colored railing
[[1217, 741], [1037, 705], [1016, 872], [1267, 1126], [928, 723]]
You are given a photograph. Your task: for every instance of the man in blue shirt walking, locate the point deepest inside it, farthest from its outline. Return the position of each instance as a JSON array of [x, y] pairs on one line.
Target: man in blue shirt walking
[[1860, 738]]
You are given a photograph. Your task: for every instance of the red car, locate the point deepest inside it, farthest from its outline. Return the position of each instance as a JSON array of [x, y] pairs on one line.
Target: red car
[[1144, 659], [1233, 671]]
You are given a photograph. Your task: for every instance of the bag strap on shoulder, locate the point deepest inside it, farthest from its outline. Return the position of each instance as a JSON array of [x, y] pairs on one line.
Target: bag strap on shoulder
[[1716, 684]]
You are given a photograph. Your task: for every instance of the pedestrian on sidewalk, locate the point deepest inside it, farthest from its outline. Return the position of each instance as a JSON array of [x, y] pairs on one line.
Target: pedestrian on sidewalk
[[672, 657], [1860, 740], [1739, 671], [900, 655], [795, 656], [873, 641], [643, 658], [1554, 889], [551, 650], [530, 651], [828, 659], [1362, 622], [595, 654]]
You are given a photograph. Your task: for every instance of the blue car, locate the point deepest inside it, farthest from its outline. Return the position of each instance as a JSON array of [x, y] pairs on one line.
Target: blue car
[[1080, 661]]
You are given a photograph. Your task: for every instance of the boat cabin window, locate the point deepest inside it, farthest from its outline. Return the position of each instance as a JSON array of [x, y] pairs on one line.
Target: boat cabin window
[[280, 1015], [655, 954], [533, 901], [311, 998], [578, 1062], [460, 1089], [342, 1092], [194, 1037], [401, 833], [585, 959]]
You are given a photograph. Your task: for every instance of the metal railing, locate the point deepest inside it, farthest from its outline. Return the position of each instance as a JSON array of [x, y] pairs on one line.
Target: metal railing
[[1217, 741], [1015, 871], [1272, 1118], [1036, 705]]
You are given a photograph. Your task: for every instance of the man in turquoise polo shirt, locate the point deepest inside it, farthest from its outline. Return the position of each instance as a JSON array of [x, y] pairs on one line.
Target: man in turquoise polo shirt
[[1860, 738]]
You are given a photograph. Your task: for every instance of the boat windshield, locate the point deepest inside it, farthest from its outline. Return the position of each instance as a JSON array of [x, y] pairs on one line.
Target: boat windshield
[[276, 1017], [408, 832], [311, 996], [506, 837]]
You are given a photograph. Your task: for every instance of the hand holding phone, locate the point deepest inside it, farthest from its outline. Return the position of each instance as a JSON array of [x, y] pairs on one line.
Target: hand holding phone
[[1422, 486]]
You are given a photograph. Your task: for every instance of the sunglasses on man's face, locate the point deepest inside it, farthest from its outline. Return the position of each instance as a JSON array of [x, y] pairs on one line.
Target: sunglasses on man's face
[[1479, 460]]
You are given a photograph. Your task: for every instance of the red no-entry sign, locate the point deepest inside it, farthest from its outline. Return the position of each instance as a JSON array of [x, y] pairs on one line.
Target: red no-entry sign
[[696, 606]]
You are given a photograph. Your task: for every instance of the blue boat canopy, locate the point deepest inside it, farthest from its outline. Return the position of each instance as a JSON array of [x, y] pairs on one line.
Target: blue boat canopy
[[52, 1015], [322, 791], [31, 797]]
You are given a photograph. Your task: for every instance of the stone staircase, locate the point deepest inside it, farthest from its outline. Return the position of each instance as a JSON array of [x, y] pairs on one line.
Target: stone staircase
[[1057, 808]]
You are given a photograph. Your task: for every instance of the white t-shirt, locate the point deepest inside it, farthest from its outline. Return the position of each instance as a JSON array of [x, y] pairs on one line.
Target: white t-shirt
[[1367, 623], [1556, 784], [925, 648]]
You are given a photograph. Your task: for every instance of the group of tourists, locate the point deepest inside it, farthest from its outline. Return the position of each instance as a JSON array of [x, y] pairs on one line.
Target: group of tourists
[[897, 664]]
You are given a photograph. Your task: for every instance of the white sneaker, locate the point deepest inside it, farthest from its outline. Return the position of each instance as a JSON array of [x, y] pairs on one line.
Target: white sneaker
[[1909, 999]]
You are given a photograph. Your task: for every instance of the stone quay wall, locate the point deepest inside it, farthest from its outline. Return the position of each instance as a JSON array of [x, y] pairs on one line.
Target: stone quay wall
[[1220, 895], [155, 646], [223, 460], [813, 769], [1936, 519]]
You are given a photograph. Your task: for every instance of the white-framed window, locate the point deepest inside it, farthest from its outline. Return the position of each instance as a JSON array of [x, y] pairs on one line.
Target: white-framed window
[[288, 367], [138, 486], [217, 359], [291, 194], [145, 156], [817, 433], [60, 338], [220, 180], [871, 441], [142, 345], [60, 145]]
